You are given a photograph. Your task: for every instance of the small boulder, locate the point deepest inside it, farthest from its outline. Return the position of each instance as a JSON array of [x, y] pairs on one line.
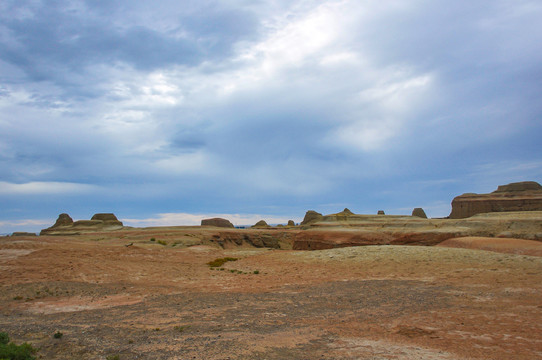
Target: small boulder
[[419, 213], [218, 222], [311, 216]]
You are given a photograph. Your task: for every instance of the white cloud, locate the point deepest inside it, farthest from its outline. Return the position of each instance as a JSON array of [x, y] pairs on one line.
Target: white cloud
[[44, 188], [185, 219]]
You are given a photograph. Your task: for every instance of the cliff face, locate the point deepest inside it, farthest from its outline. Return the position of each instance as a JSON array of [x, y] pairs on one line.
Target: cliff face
[[522, 196]]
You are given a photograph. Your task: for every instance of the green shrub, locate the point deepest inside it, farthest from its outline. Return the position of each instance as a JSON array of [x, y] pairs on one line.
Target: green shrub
[[256, 272], [153, 239], [112, 357], [162, 242], [4, 338], [58, 335], [10, 351], [220, 261]]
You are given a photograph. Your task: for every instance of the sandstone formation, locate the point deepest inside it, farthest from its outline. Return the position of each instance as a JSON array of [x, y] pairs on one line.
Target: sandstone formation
[[344, 215], [311, 216], [522, 196], [218, 222], [419, 213], [63, 220], [260, 224], [65, 225], [291, 223], [108, 218]]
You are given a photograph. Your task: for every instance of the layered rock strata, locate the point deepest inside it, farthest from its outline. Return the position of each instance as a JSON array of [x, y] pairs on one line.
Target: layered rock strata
[[522, 196]]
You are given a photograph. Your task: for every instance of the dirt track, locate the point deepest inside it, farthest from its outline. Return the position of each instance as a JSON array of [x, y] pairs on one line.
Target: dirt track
[[149, 301]]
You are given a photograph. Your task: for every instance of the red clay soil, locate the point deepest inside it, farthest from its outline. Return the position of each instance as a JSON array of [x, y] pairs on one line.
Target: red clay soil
[[122, 294], [502, 245]]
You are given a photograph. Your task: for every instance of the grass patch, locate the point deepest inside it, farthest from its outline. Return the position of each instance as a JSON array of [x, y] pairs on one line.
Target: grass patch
[[220, 261], [181, 328], [10, 351], [162, 242]]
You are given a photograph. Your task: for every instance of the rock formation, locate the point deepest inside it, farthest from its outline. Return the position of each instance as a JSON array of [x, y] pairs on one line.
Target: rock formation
[[311, 216], [218, 222], [260, 224], [521, 196], [419, 213], [291, 223], [107, 218], [63, 220], [65, 225]]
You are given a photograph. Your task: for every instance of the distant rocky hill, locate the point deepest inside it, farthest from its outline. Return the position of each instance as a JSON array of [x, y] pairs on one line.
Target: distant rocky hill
[[520, 196]]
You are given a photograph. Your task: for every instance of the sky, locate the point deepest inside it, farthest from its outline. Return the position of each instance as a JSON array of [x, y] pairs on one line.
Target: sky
[[167, 112]]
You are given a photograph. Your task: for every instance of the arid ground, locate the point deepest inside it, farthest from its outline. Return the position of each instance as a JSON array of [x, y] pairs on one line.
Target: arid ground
[[160, 300]]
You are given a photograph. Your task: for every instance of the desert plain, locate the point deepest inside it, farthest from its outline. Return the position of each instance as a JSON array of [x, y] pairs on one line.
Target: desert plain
[[150, 293]]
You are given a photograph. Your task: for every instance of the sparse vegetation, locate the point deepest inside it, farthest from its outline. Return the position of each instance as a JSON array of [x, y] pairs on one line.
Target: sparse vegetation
[[18, 297], [162, 242], [58, 335], [11, 351], [153, 239], [256, 272], [220, 261], [181, 328], [112, 357]]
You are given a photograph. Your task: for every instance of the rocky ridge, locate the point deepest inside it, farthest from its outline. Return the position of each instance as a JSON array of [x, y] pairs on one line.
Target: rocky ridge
[[520, 196]]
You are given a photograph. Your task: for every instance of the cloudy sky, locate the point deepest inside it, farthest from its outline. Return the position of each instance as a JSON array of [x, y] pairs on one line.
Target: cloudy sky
[[168, 111]]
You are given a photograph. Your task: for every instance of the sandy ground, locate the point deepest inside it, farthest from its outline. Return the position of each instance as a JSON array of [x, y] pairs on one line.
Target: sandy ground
[[149, 301]]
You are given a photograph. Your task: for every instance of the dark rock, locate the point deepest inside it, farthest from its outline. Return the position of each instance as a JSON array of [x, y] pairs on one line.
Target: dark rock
[[419, 213], [218, 222]]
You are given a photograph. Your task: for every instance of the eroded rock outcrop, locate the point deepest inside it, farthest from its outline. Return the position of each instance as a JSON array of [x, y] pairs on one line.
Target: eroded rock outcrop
[[311, 216], [419, 213], [63, 220], [291, 223], [260, 224], [521, 196], [107, 218], [218, 222], [65, 225]]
